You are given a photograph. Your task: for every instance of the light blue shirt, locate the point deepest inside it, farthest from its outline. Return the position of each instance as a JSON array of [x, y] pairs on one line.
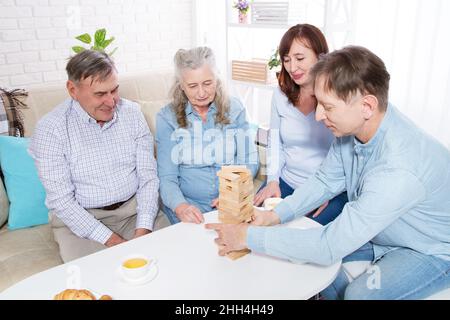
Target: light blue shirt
[[189, 158], [398, 186], [298, 143], [83, 165]]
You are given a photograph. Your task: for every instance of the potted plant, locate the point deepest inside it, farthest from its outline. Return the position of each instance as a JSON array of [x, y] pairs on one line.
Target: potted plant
[[100, 42], [275, 62], [243, 6]]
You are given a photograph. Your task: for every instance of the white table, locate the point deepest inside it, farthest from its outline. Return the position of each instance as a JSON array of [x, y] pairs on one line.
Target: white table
[[189, 268]]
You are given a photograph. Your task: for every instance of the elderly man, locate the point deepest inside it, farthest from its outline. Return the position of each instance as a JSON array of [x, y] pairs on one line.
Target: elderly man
[[94, 155], [398, 183]]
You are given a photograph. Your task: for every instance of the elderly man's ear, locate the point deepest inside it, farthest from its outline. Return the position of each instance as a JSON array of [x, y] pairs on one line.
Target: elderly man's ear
[[71, 88], [370, 105]]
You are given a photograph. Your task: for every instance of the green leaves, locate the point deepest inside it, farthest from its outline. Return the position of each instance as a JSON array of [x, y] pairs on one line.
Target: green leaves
[[86, 38], [78, 49], [274, 60], [106, 43], [99, 37], [100, 42]]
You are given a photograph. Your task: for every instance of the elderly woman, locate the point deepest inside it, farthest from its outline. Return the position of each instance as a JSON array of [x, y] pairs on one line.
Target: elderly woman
[[201, 130]]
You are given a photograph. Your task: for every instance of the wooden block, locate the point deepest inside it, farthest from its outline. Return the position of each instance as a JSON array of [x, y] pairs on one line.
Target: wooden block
[[228, 219], [229, 212], [246, 214], [236, 216], [228, 176], [236, 188], [238, 209], [245, 178], [235, 169], [240, 182], [232, 196], [230, 203], [234, 255]]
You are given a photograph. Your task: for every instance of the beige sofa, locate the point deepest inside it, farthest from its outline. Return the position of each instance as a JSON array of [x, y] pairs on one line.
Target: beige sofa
[[28, 251]]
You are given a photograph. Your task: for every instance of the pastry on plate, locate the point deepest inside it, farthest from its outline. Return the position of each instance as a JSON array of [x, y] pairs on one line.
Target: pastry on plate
[[74, 294]]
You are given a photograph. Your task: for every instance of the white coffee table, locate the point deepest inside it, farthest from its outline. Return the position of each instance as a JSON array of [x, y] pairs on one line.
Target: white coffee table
[[188, 268]]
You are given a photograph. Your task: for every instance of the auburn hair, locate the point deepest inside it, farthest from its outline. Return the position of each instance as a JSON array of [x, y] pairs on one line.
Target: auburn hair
[[312, 38]]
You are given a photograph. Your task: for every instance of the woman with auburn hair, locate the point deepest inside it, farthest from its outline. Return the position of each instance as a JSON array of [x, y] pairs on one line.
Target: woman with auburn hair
[[298, 143], [198, 132]]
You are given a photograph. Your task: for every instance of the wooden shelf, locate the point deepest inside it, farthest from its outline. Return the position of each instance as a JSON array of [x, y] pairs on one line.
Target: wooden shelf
[[259, 26]]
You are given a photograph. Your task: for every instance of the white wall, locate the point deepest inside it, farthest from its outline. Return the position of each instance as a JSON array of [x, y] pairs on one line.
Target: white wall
[[36, 36], [412, 37]]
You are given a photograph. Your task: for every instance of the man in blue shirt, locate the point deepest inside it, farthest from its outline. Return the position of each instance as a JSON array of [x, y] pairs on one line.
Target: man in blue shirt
[[398, 183]]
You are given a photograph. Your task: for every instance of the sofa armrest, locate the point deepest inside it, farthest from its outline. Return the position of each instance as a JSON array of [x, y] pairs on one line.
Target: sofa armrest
[[4, 205]]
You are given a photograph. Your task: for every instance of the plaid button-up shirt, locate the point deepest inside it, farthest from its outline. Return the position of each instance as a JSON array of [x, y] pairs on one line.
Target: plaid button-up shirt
[[83, 165]]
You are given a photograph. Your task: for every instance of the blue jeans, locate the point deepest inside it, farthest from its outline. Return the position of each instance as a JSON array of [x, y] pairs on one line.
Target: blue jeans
[[330, 213], [399, 274]]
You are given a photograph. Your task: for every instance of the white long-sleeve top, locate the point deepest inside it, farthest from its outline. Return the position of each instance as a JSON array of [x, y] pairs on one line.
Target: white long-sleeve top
[[298, 143]]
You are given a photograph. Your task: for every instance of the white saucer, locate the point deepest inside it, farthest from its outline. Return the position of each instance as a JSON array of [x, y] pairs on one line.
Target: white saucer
[[140, 281]]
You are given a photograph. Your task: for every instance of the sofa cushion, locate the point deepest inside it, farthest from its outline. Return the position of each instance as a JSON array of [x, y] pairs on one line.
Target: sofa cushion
[[25, 252], [40, 101], [150, 109], [25, 191]]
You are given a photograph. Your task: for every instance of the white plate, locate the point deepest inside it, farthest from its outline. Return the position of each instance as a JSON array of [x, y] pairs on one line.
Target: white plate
[[137, 282]]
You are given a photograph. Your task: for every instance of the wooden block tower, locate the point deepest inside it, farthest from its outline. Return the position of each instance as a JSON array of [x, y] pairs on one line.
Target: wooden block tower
[[235, 198]]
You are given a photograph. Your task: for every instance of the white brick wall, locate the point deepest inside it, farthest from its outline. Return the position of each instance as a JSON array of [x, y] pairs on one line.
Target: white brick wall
[[36, 36]]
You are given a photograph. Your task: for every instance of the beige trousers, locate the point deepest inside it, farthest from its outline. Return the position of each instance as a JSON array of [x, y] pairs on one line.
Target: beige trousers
[[121, 221]]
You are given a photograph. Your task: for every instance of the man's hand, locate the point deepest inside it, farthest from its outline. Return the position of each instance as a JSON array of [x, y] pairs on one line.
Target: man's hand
[[231, 237], [271, 190], [114, 240], [265, 218], [141, 232], [189, 213]]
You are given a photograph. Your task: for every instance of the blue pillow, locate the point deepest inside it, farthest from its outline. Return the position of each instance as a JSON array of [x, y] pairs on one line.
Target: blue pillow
[[25, 191]]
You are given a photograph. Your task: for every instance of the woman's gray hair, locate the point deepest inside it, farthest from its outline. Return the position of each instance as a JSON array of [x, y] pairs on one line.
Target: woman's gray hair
[[194, 59], [90, 63]]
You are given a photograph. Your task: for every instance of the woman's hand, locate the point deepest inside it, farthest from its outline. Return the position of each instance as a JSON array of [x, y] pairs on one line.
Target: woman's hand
[[321, 208], [271, 190], [189, 213], [215, 203]]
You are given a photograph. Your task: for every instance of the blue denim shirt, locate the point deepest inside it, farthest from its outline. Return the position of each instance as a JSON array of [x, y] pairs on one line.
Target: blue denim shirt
[[398, 186], [189, 158]]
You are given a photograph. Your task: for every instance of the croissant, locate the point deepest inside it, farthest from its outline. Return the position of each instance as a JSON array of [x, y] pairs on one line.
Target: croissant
[[74, 294]]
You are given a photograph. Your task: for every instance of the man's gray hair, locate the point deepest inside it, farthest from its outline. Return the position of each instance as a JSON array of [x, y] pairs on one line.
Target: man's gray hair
[[90, 63]]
